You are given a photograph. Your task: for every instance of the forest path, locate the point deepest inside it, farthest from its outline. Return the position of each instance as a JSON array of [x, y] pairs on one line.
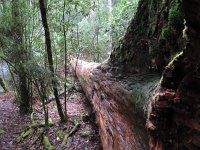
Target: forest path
[[11, 123], [78, 108]]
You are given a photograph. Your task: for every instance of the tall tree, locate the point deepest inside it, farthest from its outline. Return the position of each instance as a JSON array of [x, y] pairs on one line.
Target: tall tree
[[65, 58], [50, 57], [19, 60]]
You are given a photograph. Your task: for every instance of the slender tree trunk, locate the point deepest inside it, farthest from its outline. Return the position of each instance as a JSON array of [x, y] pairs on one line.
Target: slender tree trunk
[[50, 57], [65, 56], [110, 4], [3, 84]]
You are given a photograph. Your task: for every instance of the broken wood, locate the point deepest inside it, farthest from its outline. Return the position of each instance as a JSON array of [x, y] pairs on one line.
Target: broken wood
[[120, 124], [74, 129]]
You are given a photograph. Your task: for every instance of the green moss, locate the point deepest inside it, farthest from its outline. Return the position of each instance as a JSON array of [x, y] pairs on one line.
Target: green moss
[[175, 15], [85, 134], [1, 131], [120, 60], [59, 133], [85, 81], [65, 140], [141, 90], [25, 135], [152, 26], [47, 144], [168, 34]]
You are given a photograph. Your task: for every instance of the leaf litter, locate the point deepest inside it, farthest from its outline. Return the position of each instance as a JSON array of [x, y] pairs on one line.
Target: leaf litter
[[80, 132]]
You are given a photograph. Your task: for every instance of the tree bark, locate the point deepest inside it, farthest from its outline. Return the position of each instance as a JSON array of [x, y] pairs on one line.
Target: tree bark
[[173, 115], [50, 57], [155, 41], [121, 126], [19, 61]]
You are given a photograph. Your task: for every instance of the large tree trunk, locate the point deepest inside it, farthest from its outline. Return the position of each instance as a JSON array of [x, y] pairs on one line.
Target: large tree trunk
[[120, 88], [173, 115], [50, 57], [121, 125]]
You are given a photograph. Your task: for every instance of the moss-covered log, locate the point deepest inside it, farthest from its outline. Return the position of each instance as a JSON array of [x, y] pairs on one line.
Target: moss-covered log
[[121, 127], [157, 40]]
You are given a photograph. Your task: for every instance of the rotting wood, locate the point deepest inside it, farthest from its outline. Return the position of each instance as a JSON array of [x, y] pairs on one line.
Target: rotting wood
[[121, 127]]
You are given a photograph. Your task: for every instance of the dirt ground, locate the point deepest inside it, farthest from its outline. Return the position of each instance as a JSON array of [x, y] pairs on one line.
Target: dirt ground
[[12, 124]]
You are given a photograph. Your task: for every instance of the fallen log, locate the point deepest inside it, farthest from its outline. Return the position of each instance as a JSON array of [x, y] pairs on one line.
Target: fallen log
[[118, 104], [61, 94]]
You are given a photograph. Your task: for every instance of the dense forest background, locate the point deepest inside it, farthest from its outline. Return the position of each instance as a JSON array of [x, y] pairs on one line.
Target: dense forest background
[[83, 29], [37, 41]]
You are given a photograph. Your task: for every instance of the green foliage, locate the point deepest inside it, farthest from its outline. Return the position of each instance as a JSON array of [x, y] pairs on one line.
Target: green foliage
[[1, 131], [92, 29], [175, 15], [121, 15], [59, 133], [38, 72]]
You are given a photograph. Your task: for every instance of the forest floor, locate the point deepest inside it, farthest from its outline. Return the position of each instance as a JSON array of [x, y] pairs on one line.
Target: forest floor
[[84, 137]]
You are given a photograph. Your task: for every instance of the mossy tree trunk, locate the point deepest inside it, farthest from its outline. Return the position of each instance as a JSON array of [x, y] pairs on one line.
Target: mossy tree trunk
[[18, 57], [173, 115], [152, 49]]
